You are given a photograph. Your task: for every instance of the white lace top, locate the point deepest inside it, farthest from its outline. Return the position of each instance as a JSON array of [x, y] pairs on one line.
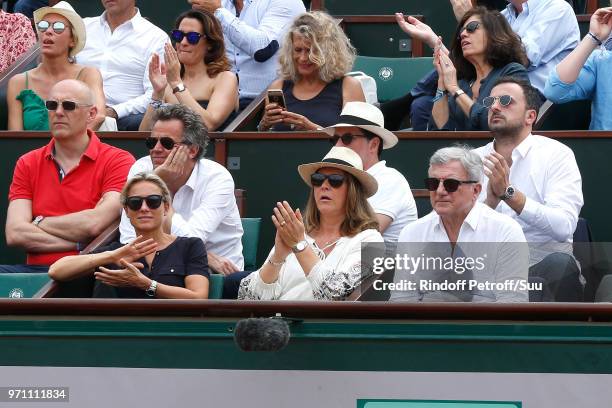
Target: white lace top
[[332, 278]]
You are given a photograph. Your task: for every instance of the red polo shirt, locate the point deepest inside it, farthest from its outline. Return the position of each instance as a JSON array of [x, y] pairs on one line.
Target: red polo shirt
[[36, 178]]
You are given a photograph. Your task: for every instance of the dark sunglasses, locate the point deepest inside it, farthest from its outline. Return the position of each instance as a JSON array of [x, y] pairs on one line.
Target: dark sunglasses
[[58, 26], [166, 142], [470, 28], [335, 180], [504, 100], [192, 37], [450, 185], [134, 203], [347, 138], [66, 105]]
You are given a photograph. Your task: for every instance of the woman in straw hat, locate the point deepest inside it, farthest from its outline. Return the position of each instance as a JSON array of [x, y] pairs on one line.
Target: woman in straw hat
[[62, 35], [318, 255]]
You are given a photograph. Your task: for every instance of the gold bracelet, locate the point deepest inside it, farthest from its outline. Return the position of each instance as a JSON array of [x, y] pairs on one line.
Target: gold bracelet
[[275, 263]]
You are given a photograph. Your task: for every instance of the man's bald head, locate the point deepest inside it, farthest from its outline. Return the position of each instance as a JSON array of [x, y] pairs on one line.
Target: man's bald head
[[74, 90], [68, 121]]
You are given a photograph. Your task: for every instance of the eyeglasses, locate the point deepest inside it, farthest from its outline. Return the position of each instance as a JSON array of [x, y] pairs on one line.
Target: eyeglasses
[[192, 37], [335, 180], [450, 185], [469, 27], [58, 27], [346, 138], [504, 100], [166, 142], [134, 203], [66, 105]]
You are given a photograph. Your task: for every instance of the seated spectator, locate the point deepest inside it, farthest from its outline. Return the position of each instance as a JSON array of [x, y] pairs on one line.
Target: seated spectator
[[318, 256], [67, 192], [535, 180], [196, 74], [120, 43], [472, 229], [585, 74], [315, 57], [203, 203], [155, 264], [16, 37], [484, 49], [361, 128], [252, 31], [27, 7], [62, 36]]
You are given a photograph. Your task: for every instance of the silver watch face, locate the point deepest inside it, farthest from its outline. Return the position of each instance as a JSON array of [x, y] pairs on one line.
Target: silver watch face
[[509, 192], [300, 246]]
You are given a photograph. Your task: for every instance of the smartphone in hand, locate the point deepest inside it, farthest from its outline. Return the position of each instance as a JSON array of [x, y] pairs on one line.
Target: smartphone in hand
[[276, 96]]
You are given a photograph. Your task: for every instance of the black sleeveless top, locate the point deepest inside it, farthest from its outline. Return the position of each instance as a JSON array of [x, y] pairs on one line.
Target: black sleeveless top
[[204, 105], [324, 109]]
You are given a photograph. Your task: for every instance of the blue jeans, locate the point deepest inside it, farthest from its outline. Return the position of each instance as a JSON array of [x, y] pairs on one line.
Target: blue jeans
[[130, 122], [24, 268], [27, 7]]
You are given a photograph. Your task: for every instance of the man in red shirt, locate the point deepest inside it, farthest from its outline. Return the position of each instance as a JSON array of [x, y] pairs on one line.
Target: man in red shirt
[[67, 192]]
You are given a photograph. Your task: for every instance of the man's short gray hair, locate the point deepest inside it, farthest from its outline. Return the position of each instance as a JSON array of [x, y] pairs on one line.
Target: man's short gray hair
[[469, 159], [194, 130]]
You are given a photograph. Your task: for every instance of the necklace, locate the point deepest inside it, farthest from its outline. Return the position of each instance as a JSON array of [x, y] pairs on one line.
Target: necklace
[[330, 243]]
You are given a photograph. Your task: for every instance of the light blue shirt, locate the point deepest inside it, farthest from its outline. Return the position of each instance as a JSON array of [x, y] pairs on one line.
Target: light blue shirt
[[594, 82], [549, 30], [260, 22]]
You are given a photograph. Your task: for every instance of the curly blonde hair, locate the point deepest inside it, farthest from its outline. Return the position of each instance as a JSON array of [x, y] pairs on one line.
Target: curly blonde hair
[[330, 50]]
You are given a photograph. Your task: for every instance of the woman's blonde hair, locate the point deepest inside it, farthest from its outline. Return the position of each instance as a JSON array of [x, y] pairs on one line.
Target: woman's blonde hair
[[151, 178], [359, 215], [330, 50]]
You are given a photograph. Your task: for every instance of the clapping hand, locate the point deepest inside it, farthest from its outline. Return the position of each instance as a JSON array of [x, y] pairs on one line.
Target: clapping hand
[[173, 65], [601, 23], [417, 29], [289, 228], [135, 250], [157, 76], [130, 276]]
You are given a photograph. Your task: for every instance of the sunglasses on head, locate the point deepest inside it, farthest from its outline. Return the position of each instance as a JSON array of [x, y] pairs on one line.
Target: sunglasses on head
[[166, 142], [192, 37], [66, 105], [134, 203], [58, 27], [335, 180], [504, 100], [450, 185], [346, 138], [469, 27]]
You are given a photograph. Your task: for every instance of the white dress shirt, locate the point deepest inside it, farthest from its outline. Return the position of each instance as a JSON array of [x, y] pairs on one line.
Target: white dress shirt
[[260, 22], [123, 56], [332, 278], [205, 207], [546, 171], [484, 233], [549, 31], [393, 199]]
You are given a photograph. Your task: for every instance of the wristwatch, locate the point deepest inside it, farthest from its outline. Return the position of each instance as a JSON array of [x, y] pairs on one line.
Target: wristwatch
[[152, 289], [458, 93], [37, 220], [509, 193], [179, 88], [299, 247]]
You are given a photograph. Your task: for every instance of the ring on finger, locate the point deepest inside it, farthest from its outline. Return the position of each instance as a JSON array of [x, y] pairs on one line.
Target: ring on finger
[[282, 224]]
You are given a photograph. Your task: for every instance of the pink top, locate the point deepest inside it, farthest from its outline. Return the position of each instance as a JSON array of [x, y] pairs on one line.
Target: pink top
[[16, 37]]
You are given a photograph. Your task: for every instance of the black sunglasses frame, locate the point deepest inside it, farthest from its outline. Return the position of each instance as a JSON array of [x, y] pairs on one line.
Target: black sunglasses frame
[[192, 37], [154, 201], [69, 106], [166, 142], [450, 185], [61, 26], [469, 27], [347, 138], [335, 180], [504, 100]]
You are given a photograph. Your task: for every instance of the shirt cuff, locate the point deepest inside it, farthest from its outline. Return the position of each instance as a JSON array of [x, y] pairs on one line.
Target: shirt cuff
[[530, 211], [315, 277], [224, 16], [266, 291]]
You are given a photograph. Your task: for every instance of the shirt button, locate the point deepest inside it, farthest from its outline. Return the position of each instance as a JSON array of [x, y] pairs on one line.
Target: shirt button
[[171, 270]]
